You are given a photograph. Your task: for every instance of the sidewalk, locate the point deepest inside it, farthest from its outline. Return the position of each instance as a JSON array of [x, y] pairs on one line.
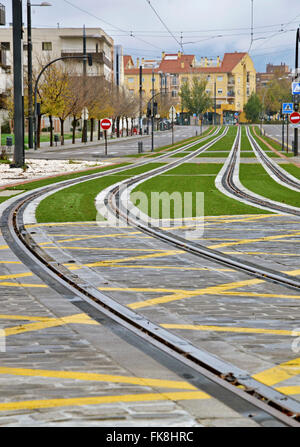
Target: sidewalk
[[78, 144]]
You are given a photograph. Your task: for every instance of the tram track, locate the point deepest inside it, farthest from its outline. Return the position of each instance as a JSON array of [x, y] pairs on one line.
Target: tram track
[[236, 381]]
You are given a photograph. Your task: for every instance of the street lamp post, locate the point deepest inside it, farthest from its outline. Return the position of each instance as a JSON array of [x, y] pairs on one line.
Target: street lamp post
[[152, 115], [87, 57], [29, 63]]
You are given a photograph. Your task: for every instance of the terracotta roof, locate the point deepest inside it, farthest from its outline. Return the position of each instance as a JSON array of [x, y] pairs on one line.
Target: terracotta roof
[[127, 59], [167, 65]]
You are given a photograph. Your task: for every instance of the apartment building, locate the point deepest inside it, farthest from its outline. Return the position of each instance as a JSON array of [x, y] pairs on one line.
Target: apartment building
[[51, 43], [230, 81], [272, 71]]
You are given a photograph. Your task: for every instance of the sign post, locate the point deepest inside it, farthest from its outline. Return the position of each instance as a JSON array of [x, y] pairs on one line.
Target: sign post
[[172, 115], [105, 125]]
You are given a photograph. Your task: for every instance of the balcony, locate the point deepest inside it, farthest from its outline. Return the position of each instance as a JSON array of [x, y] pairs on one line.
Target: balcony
[[231, 93], [98, 57], [231, 81]]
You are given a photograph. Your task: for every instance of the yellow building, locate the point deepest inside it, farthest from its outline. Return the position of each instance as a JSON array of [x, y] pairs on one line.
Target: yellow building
[[229, 81]]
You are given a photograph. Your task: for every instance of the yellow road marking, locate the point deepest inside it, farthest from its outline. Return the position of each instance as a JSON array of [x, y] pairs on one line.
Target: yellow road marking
[[23, 318], [230, 329], [81, 238], [95, 377], [288, 390], [16, 284], [16, 275], [260, 253], [262, 295], [159, 267], [179, 295], [250, 241], [279, 373], [51, 322], [108, 262], [51, 403], [3, 247], [10, 262]]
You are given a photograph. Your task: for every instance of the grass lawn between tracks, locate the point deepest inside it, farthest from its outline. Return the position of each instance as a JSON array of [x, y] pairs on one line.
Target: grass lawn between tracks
[[77, 203], [271, 142], [256, 179], [195, 177]]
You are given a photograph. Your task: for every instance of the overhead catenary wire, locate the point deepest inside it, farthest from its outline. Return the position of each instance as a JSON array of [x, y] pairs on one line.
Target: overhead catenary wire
[[126, 32], [164, 24]]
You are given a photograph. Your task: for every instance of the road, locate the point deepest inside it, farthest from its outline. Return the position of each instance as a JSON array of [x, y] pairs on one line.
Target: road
[[123, 146], [275, 131]]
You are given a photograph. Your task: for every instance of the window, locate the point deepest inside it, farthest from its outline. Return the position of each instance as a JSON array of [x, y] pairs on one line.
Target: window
[[208, 78], [220, 91], [174, 93], [220, 78], [5, 46], [130, 79], [248, 76], [207, 91], [47, 46]]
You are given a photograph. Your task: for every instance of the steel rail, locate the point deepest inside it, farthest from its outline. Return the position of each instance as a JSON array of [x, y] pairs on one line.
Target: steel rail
[[229, 184], [279, 406], [283, 177]]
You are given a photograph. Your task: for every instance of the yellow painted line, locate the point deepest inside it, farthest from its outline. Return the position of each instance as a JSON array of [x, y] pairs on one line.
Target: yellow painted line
[[10, 262], [279, 373], [95, 377], [159, 267], [230, 329], [51, 322], [54, 403], [98, 236], [16, 284], [212, 290], [260, 253], [16, 275], [250, 241], [3, 247], [108, 262], [262, 295], [23, 318], [289, 390]]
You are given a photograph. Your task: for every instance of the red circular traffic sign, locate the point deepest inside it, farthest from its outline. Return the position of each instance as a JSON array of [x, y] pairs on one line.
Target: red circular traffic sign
[[295, 117], [105, 124]]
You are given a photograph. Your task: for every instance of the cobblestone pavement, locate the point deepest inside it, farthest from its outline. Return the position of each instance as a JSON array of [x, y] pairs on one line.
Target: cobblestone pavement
[[251, 323], [60, 367]]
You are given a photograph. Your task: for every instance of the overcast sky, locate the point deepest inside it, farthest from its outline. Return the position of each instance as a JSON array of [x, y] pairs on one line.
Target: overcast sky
[[205, 28]]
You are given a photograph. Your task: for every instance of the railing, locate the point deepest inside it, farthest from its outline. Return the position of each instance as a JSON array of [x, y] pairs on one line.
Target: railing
[[98, 57], [230, 93]]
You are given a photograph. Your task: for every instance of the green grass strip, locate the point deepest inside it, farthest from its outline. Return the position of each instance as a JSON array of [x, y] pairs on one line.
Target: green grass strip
[[77, 203], [256, 179], [292, 169], [192, 177]]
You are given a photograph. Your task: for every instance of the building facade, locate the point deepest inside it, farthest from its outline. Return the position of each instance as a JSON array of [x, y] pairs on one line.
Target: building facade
[[230, 81], [272, 71], [52, 43]]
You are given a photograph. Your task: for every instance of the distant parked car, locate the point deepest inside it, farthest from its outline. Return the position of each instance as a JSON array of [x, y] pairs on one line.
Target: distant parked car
[[165, 124]]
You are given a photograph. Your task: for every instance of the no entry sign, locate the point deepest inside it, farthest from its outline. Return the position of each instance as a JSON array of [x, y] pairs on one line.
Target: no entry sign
[[105, 124], [295, 118]]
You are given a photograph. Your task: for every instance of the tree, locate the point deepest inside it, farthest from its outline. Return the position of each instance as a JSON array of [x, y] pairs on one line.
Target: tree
[[194, 98], [253, 108]]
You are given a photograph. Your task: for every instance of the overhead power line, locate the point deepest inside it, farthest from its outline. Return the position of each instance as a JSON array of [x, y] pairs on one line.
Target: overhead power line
[[161, 20], [126, 32]]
